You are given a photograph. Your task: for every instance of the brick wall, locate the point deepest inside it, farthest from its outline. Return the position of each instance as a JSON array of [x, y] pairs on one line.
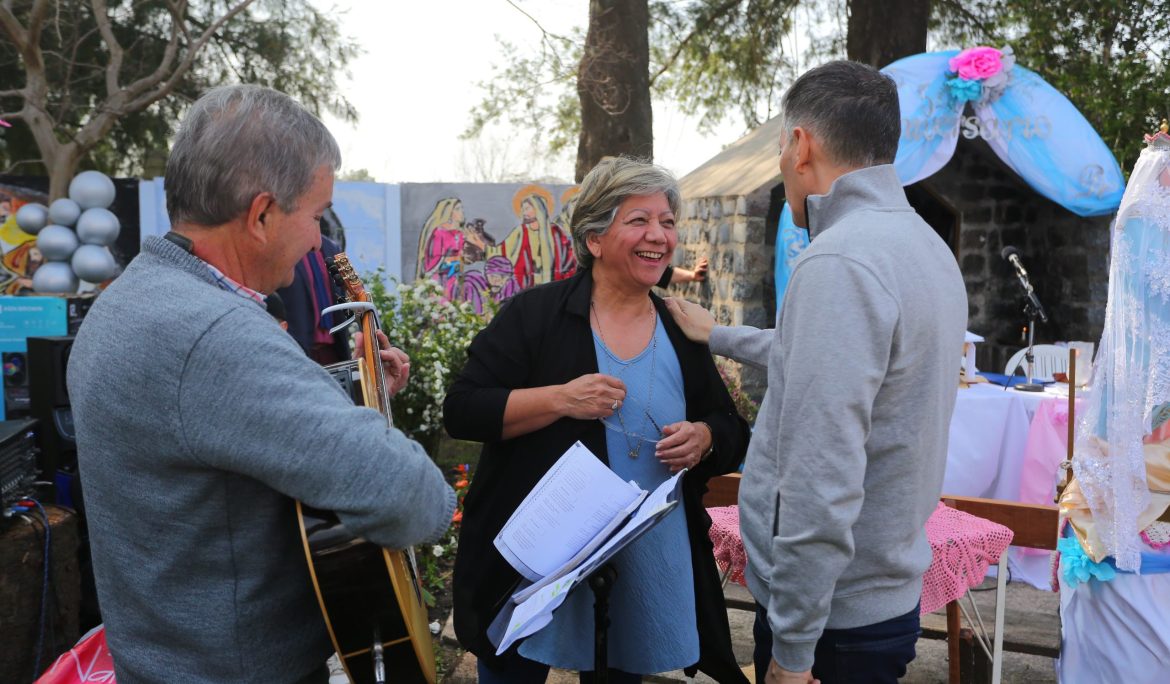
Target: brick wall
[[734, 234]]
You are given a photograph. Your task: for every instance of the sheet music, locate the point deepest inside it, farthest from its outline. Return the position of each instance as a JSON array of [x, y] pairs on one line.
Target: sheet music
[[530, 614], [575, 501]]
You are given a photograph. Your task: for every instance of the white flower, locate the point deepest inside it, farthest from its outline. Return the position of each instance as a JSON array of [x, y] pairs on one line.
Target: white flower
[[437, 550]]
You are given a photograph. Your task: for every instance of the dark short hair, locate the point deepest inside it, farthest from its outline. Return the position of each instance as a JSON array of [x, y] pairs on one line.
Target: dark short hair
[[851, 107]]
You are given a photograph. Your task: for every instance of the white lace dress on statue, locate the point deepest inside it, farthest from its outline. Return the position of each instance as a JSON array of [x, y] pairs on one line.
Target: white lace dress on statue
[[1131, 377], [1115, 627]]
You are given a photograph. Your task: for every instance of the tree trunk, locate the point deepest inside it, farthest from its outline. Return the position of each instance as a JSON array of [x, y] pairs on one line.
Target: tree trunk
[[613, 84], [61, 170], [881, 31]]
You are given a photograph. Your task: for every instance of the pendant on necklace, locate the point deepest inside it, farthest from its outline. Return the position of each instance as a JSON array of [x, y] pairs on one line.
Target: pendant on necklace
[[634, 452]]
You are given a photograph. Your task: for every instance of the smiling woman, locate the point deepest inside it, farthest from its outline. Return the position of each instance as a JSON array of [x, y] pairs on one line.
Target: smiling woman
[[662, 408]]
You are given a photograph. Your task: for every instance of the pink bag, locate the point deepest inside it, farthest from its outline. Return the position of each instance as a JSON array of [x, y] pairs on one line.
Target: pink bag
[[88, 661]]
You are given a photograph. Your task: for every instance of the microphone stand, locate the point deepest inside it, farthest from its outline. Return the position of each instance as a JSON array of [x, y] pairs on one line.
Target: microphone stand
[[1029, 358], [601, 582]]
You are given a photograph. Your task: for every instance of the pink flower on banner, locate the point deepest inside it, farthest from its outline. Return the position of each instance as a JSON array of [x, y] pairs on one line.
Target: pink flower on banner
[[977, 63], [5, 124]]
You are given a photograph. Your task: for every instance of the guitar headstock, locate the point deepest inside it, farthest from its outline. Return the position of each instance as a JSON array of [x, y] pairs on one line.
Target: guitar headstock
[[343, 272]]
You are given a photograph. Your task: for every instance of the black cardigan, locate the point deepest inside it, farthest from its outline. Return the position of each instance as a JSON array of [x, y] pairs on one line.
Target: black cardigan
[[542, 337]]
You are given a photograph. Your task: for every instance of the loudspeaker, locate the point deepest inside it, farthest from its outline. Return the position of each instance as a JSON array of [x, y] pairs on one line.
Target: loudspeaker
[[15, 365], [49, 404]]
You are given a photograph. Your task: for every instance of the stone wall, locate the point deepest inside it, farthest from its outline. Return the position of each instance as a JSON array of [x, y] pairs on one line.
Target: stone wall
[[1067, 256], [734, 234]]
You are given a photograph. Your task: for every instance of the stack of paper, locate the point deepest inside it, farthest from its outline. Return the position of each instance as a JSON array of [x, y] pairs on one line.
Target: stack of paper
[[572, 522]]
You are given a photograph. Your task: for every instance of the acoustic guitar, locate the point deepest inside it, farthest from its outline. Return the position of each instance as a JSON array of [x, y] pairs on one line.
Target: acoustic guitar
[[370, 596]]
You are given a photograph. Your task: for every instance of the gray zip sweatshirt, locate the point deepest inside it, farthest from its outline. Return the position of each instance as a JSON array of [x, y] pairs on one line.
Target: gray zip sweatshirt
[[846, 461], [198, 422]]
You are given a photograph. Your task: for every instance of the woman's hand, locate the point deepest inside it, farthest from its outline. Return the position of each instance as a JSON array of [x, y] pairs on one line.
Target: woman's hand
[[683, 445], [394, 361], [592, 396]]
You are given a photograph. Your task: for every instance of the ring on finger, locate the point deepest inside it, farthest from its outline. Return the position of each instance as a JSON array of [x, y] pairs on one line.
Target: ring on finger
[[614, 406]]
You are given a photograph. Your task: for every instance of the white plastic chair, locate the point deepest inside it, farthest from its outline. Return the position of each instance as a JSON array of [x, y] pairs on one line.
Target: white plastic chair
[[1048, 359]]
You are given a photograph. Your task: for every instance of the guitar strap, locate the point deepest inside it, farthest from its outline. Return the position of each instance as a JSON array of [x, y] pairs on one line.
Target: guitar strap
[[182, 241]]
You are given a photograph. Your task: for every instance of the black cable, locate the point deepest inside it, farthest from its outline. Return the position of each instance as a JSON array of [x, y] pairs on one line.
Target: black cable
[[44, 587]]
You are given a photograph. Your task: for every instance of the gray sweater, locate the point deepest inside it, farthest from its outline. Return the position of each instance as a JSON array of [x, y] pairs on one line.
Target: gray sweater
[[846, 461], [198, 422]]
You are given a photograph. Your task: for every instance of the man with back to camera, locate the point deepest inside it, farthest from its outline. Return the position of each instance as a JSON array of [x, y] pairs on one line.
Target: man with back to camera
[[847, 457], [193, 433]]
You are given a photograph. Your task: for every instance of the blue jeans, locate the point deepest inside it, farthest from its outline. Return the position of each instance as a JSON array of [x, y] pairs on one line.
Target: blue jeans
[[516, 669], [873, 654]]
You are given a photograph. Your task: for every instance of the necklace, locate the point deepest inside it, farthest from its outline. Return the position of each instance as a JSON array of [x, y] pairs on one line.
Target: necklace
[[632, 442]]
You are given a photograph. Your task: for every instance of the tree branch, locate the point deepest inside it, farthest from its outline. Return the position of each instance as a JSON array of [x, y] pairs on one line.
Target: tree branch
[[533, 19], [12, 167], [101, 16], [12, 28], [165, 87], [957, 7], [698, 28]]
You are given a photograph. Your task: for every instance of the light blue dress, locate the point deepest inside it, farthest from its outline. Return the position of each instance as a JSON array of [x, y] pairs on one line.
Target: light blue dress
[[652, 606]]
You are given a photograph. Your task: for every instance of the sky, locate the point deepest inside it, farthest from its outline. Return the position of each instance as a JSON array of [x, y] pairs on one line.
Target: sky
[[416, 84]]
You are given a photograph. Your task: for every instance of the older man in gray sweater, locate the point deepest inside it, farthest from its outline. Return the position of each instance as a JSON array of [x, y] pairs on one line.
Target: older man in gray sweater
[[199, 420], [847, 457]]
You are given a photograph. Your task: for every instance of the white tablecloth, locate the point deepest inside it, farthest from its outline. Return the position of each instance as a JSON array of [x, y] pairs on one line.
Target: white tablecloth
[[988, 436]]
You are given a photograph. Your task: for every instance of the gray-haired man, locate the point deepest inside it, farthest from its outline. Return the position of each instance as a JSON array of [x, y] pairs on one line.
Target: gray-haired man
[[199, 419], [847, 457]]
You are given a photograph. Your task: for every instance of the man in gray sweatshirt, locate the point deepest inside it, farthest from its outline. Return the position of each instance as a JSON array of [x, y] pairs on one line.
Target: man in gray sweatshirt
[[199, 420], [846, 460]]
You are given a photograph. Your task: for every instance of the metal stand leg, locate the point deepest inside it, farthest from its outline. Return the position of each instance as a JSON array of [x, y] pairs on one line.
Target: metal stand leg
[[601, 582], [1000, 601], [953, 676]]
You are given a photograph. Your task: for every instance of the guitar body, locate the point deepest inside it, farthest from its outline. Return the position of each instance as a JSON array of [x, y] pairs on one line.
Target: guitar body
[[370, 597], [361, 588]]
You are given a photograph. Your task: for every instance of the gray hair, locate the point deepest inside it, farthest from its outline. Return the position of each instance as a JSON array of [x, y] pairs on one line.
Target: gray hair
[[611, 182], [239, 141], [851, 107]]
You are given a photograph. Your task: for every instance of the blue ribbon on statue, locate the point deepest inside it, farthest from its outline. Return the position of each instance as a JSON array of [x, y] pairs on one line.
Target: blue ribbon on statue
[[1076, 566]]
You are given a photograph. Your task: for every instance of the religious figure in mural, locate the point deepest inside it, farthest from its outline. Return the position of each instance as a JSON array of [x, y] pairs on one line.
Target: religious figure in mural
[[472, 266], [562, 236], [531, 246], [440, 246], [501, 278]]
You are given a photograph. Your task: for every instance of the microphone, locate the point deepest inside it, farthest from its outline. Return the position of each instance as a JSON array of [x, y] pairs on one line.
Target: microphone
[[1012, 255]]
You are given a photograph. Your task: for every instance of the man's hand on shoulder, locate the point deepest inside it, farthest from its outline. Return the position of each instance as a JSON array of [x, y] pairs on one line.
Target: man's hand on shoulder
[[695, 321], [778, 675]]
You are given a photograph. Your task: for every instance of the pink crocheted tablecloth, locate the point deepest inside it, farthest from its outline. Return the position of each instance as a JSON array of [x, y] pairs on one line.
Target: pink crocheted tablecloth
[[728, 546], [963, 547]]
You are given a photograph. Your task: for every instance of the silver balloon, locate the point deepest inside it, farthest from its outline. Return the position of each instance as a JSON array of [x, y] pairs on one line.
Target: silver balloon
[[57, 243], [54, 277], [98, 226], [64, 212], [93, 263], [92, 189], [32, 218]]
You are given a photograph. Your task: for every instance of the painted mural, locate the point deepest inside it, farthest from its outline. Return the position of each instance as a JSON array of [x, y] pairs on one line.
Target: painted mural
[[488, 241], [19, 256]]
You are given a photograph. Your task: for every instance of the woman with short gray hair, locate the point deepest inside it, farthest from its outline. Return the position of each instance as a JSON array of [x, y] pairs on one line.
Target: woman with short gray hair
[[595, 359]]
